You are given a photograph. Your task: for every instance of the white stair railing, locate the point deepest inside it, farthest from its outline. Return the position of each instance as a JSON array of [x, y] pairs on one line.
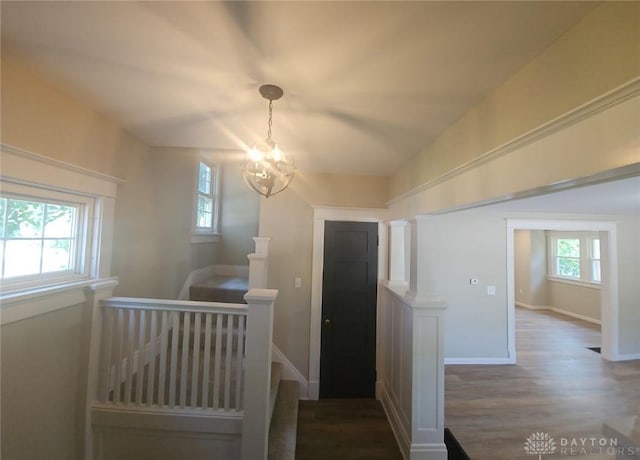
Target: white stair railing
[[172, 354]]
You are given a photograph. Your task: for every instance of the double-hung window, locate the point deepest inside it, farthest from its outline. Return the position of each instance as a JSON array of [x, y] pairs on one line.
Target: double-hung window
[[574, 256], [206, 200], [42, 236]]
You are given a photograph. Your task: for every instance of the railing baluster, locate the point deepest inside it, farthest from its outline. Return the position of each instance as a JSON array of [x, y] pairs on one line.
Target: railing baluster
[[107, 358], [174, 358], [151, 375], [185, 358], [118, 357], [196, 360], [182, 358], [216, 362], [207, 361], [239, 361], [164, 345], [130, 347], [227, 362], [141, 355]]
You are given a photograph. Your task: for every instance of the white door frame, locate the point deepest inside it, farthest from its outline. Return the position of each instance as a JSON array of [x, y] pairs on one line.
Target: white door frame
[[322, 214], [608, 289]]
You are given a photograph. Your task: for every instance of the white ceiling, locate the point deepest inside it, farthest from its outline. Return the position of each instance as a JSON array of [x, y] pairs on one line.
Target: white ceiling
[[367, 84]]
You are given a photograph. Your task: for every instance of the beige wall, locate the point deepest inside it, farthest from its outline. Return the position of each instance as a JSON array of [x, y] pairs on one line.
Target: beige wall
[[342, 190], [596, 56], [581, 300], [475, 322], [522, 266], [531, 267], [239, 217], [40, 383], [287, 218], [41, 119]]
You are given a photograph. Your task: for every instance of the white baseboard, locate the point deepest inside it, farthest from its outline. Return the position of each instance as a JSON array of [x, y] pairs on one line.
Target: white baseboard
[[314, 390], [577, 316], [532, 307], [561, 311], [627, 357], [398, 429], [454, 361], [290, 372]]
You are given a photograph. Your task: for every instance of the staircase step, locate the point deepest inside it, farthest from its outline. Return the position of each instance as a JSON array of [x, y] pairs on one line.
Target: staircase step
[[276, 377], [284, 423], [220, 289]]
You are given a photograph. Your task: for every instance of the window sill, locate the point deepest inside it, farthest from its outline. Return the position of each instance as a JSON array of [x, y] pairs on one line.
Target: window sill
[[198, 238], [27, 303], [581, 283]]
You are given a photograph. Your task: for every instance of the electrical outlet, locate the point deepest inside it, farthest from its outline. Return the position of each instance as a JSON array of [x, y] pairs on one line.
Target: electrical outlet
[[297, 282], [491, 290]]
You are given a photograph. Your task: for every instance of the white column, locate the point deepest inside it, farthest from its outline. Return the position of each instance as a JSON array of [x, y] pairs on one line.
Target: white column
[[399, 253], [90, 359], [427, 386], [420, 283], [258, 264], [255, 425], [262, 245]]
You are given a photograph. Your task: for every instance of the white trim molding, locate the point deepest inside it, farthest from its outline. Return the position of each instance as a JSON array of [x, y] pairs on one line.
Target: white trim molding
[[289, 371], [321, 214], [476, 361], [559, 310], [43, 173], [24, 167]]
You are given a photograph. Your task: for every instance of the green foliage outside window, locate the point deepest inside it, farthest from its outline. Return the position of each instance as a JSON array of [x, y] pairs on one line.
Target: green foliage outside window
[[568, 257], [36, 237]]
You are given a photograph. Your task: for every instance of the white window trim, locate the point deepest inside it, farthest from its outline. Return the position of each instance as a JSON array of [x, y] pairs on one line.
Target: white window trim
[[82, 262], [585, 258], [199, 235], [21, 168]]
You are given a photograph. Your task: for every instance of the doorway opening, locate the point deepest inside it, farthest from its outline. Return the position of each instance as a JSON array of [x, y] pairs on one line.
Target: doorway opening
[[605, 233], [321, 216]]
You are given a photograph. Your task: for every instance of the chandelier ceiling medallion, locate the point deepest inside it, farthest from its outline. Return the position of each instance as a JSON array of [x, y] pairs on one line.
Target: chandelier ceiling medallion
[[266, 168]]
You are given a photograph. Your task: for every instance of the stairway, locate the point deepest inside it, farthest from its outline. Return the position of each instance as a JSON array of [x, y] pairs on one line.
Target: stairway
[[220, 289], [284, 416], [284, 394]]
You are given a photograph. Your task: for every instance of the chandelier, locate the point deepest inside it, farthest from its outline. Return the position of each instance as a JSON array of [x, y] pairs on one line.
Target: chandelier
[[266, 168]]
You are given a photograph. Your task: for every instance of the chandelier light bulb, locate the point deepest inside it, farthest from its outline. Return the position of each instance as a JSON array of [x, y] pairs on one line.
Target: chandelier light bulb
[[266, 169]]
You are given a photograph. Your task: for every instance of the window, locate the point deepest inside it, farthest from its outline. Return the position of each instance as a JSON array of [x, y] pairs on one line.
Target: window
[[41, 237], [574, 256], [207, 197]]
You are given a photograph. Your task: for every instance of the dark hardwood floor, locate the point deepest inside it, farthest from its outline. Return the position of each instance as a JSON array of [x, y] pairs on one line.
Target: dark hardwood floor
[[345, 429], [558, 387]]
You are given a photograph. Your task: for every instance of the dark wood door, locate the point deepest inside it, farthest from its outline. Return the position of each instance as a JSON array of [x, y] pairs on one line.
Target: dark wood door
[[349, 287]]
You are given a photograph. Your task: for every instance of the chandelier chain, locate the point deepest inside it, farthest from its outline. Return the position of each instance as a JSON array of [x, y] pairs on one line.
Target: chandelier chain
[[270, 122]]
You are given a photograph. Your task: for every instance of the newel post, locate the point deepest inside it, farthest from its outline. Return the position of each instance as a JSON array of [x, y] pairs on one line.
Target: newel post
[[90, 359], [258, 264], [255, 426]]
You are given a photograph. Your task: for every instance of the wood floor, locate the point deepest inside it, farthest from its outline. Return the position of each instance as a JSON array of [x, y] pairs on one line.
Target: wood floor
[[557, 387], [344, 429]]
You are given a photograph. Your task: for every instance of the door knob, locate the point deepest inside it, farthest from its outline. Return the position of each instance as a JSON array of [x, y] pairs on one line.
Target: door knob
[[327, 321]]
